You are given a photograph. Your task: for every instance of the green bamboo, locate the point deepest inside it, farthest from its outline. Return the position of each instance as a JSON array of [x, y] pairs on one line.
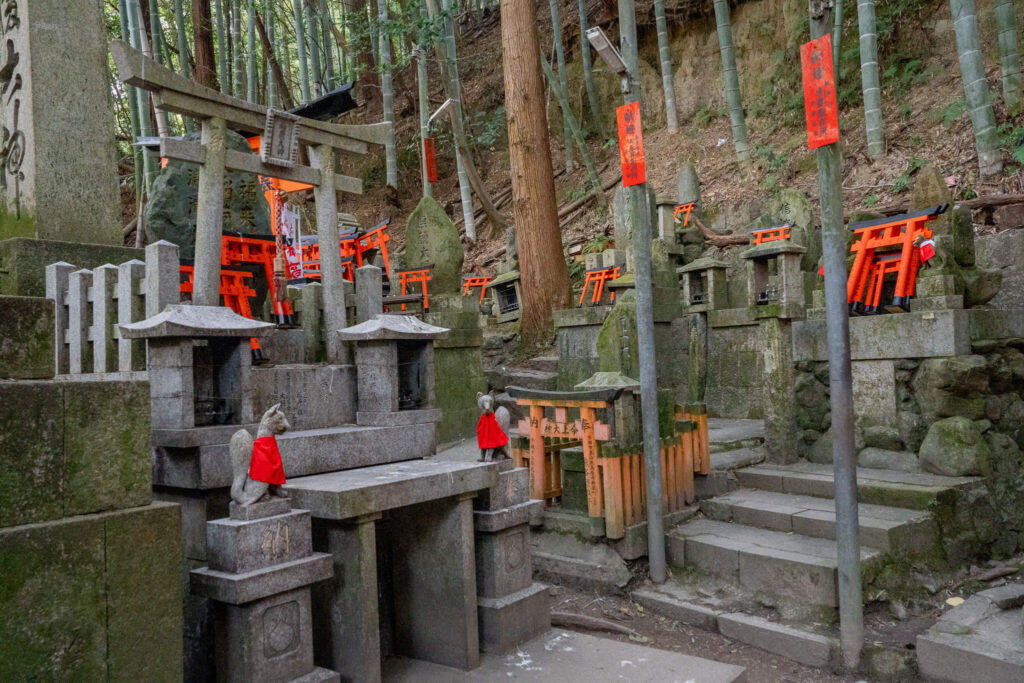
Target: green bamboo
[[387, 94], [671, 118], [325, 22], [223, 72], [239, 76], [588, 73], [1009, 57], [869, 78], [313, 46], [972, 68], [300, 47], [271, 26], [556, 27], [732, 81], [562, 97], [251, 76], [133, 104], [423, 91], [465, 193], [837, 37]]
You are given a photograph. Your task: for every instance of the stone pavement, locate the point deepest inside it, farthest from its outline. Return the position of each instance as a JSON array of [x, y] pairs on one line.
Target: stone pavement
[[569, 656]]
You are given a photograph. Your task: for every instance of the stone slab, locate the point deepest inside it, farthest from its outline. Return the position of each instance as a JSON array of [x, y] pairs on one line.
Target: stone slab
[[996, 324], [874, 392], [503, 562], [23, 260], [32, 443], [965, 659], [26, 342], [397, 418], [662, 600], [575, 317], [499, 520], [304, 452], [800, 646], [568, 656], [568, 559], [239, 589], [926, 334], [237, 547], [312, 396], [512, 488], [353, 493]]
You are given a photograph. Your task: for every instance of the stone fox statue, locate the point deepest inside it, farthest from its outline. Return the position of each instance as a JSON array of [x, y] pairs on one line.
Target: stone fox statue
[[256, 465], [492, 428]]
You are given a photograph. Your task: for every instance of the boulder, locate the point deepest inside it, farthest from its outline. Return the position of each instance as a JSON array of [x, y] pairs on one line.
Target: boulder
[[432, 239], [954, 447], [1005, 455], [811, 402], [821, 451], [170, 213], [882, 459], [617, 340], [946, 387], [912, 430], [688, 185], [882, 436]]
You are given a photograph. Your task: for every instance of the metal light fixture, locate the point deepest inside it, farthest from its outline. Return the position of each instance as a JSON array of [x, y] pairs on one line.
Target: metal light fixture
[[440, 110], [599, 41]]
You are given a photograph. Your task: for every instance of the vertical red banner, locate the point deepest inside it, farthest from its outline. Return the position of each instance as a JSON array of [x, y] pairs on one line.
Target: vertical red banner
[[431, 159], [819, 92], [631, 145]]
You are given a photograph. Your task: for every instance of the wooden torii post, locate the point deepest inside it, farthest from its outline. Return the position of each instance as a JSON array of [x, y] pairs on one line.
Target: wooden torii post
[[218, 112]]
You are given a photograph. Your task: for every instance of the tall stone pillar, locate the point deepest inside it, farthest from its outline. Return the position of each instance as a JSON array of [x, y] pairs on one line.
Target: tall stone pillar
[[58, 169]]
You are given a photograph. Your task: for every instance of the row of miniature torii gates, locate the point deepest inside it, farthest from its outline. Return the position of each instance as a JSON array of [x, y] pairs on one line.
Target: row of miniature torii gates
[[281, 133]]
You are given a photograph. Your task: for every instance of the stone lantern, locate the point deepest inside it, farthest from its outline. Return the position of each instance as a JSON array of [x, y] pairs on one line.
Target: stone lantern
[[704, 286], [198, 361], [779, 294], [395, 369]]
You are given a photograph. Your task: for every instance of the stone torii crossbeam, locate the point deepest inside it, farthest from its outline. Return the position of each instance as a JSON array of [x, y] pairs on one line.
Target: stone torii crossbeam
[[217, 112]]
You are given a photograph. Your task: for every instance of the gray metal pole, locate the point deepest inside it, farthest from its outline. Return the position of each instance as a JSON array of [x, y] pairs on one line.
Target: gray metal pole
[[645, 321], [844, 454]]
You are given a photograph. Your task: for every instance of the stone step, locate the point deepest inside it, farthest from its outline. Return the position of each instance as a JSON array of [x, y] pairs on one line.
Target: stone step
[[736, 459], [532, 379], [913, 490], [542, 364], [726, 434], [894, 530], [763, 561]]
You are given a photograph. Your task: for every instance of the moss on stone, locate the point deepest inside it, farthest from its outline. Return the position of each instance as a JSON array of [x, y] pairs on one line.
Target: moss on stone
[[432, 239]]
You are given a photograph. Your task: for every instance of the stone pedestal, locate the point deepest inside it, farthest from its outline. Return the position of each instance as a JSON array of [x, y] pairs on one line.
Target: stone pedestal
[[511, 608], [59, 174], [261, 566], [458, 364]]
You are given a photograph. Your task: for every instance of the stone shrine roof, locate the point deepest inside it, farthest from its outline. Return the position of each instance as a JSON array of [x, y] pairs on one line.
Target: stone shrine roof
[[384, 327], [183, 320], [706, 263], [770, 249]]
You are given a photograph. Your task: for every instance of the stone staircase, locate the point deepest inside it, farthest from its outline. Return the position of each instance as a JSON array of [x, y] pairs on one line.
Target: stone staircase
[[536, 373], [774, 536]]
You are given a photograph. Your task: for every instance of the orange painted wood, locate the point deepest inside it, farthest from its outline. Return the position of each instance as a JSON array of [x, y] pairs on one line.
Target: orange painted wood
[[536, 453], [552, 403], [705, 446], [590, 465], [624, 469], [688, 488], [613, 517]]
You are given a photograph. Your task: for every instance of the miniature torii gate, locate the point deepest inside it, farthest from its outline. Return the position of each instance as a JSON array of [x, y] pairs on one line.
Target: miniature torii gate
[[217, 111]]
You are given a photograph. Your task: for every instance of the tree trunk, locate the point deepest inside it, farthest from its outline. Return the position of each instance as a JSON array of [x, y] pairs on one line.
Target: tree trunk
[[206, 72], [223, 66], [666, 67], [869, 78], [280, 89], [542, 271], [588, 74], [732, 81], [556, 28], [251, 76], [424, 102], [1009, 58], [972, 68], [325, 32], [300, 46], [387, 94], [562, 97], [837, 38]]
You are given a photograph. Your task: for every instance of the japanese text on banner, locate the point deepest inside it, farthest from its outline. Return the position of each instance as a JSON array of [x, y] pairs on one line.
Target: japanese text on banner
[[631, 145], [290, 236], [819, 92]]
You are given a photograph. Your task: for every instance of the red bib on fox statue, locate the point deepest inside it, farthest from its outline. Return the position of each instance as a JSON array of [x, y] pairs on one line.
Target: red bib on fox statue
[[488, 432], [266, 461]]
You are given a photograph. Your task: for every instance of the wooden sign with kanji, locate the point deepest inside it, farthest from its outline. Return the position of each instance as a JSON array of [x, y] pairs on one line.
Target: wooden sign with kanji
[[819, 92], [631, 145], [431, 158]]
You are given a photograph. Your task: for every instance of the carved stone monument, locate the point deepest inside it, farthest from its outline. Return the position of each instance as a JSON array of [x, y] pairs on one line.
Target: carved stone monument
[[58, 170]]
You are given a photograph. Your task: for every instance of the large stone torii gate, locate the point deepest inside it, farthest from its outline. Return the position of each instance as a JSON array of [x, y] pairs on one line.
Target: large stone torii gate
[[217, 111]]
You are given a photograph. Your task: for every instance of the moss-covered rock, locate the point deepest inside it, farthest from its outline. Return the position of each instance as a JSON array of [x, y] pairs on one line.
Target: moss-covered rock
[[26, 338], [32, 444], [881, 458], [617, 347], [432, 239], [954, 447], [946, 387]]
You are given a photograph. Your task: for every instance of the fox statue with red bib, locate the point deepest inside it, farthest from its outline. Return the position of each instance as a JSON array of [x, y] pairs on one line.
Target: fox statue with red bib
[[257, 471], [492, 429]]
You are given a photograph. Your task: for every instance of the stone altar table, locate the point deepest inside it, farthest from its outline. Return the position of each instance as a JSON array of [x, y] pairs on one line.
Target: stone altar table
[[404, 529]]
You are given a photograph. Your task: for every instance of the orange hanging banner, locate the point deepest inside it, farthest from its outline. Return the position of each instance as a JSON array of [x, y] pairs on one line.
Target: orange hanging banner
[[431, 159], [631, 145], [819, 92]]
